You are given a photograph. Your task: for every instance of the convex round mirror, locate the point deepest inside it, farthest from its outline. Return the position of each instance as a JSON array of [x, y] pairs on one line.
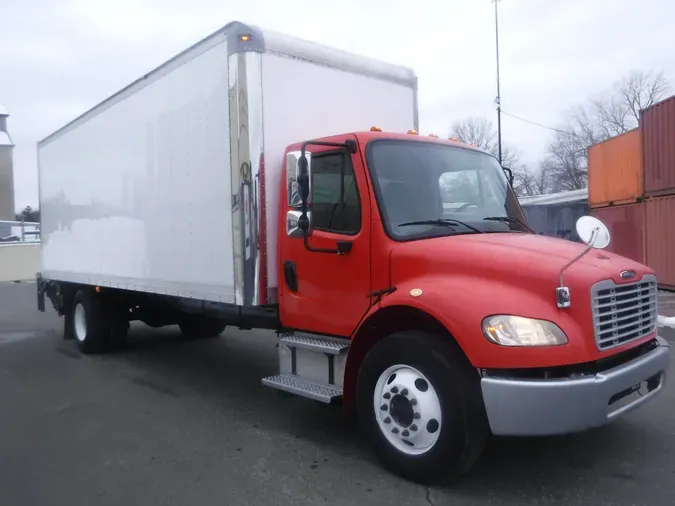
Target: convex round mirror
[[593, 232]]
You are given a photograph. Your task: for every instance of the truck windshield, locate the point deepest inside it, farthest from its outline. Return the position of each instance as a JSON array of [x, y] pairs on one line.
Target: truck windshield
[[427, 189]]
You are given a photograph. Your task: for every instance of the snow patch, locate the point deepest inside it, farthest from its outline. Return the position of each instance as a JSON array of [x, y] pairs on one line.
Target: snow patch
[[666, 321]]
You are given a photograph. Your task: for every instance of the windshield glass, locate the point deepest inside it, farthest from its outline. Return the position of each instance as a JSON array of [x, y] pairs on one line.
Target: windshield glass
[[452, 189]]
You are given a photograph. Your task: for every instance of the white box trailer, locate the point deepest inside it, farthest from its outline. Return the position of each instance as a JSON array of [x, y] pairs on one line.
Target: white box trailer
[[171, 186]]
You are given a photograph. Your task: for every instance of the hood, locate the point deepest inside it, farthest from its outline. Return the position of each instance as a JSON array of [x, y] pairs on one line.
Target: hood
[[512, 256]]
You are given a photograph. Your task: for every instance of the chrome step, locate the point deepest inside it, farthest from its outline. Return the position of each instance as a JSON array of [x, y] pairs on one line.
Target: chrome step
[[308, 342], [304, 388]]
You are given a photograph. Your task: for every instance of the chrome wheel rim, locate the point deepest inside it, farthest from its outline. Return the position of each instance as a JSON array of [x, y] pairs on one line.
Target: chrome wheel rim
[[407, 409], [80, 321]]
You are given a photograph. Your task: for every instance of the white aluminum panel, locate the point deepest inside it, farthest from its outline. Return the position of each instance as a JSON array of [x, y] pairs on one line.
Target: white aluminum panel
[[286, 45], [140, 192], [303, 101]]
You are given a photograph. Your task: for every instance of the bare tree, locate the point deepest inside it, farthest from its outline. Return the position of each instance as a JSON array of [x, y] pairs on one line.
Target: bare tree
[[480, 132], [528, 182], [616, 112]]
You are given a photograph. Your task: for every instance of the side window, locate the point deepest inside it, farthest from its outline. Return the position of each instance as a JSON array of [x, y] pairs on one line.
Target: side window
[[335, 195]]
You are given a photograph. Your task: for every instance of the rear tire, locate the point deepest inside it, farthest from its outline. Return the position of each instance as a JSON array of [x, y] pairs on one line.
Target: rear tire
[[420, 403], [200, 327], [90, 323]]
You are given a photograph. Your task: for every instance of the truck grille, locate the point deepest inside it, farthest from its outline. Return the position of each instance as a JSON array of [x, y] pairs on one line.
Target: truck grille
[[623, 313]]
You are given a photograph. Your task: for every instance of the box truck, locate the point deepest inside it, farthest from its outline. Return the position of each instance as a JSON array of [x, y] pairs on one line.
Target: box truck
[[241, 184]]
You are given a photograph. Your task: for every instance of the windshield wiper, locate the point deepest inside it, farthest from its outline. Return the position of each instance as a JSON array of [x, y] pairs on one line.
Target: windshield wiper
[[439, 221], [508, 219]]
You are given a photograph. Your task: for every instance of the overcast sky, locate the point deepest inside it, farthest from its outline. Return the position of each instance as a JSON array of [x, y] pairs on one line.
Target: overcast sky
[[58, 58]]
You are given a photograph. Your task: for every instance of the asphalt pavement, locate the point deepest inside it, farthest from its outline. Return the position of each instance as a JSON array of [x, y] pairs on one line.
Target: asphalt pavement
[[169, 421]]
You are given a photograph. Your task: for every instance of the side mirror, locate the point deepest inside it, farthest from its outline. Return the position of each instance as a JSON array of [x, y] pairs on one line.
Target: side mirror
[[593, 232], [296, 224], [509, 174], [293, 173], [303, 178]]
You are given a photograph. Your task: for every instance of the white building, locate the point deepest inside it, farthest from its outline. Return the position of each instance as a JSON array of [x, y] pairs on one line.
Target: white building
[[7, 211]]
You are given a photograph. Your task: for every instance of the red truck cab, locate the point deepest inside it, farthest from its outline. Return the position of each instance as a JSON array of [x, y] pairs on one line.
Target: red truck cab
[[450, 318]]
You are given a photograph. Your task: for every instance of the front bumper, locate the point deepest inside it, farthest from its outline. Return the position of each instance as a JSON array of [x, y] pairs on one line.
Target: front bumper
[[523, 407]]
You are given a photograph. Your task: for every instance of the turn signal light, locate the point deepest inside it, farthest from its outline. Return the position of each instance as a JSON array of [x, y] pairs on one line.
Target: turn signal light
[[412, 132], [375, 129]]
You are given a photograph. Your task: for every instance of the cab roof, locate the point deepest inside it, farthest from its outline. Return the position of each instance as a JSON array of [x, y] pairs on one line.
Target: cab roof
[[366, 136]]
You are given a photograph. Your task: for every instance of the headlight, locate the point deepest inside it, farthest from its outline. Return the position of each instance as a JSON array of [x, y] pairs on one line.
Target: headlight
[[519, 331]]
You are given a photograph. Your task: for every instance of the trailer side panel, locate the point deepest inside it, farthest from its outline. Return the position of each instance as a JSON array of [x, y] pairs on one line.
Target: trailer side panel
[[138, 195]]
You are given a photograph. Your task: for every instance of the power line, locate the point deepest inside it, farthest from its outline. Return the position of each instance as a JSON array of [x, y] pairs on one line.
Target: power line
[[534, 123], [575, 152]]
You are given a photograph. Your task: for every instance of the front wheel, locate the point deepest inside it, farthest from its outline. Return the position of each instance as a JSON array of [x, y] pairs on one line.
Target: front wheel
[[419, 400]]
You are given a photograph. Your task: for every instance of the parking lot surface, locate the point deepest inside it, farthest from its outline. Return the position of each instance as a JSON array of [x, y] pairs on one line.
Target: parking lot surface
[[168, 421]]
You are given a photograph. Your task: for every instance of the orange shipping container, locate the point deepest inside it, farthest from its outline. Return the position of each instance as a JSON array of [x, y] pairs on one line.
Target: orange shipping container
[[615, 170]]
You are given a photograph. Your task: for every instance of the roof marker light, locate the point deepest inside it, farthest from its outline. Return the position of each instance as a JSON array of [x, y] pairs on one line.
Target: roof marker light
[[453, 139], [375, 129], [244, 38], [412, 132]]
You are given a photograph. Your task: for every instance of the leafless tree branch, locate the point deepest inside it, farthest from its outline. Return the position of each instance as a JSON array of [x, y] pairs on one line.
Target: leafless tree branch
[[616, 112]]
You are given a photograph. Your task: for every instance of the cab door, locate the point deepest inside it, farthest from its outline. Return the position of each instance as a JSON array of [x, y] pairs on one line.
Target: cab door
[[327, 292]]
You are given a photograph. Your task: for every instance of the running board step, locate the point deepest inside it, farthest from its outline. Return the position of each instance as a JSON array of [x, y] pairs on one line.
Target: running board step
[[308, 342], [304, 388]]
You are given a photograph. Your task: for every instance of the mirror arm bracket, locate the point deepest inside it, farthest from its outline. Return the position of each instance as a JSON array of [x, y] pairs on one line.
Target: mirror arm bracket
[[318, 250], [563, 292], [510, 174]]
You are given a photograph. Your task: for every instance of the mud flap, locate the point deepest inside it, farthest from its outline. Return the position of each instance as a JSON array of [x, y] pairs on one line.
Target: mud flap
[[40, 293]]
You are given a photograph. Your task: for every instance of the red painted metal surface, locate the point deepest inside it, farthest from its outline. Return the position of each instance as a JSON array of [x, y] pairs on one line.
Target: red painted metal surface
[[660, 240], [626, 226], [658, 147]]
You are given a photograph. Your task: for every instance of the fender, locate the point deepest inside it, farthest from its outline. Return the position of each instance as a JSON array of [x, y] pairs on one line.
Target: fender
[[458, 304]]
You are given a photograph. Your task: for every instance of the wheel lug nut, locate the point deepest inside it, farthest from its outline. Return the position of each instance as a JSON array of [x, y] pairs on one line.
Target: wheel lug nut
[[387, 420], [413, 427], [394, 390], [394, 430], [384, 407], [417, 416], [387, 395], [404, 391], [413, 402], [405, 433]]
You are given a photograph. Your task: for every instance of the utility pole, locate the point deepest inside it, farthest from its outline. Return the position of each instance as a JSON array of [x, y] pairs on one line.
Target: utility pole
[[498, 100]]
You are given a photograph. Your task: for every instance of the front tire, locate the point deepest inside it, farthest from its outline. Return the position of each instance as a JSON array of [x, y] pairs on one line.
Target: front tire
[[419, 401]]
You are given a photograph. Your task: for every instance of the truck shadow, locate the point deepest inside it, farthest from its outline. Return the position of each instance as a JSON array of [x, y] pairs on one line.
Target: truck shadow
[[554, 465], [226, 372]]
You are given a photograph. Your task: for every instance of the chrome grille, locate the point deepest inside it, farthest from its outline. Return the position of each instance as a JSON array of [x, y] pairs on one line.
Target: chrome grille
[[623, 313]]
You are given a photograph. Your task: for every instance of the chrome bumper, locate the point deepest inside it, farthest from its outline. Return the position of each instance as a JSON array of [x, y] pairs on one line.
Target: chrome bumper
[[520, 407]]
